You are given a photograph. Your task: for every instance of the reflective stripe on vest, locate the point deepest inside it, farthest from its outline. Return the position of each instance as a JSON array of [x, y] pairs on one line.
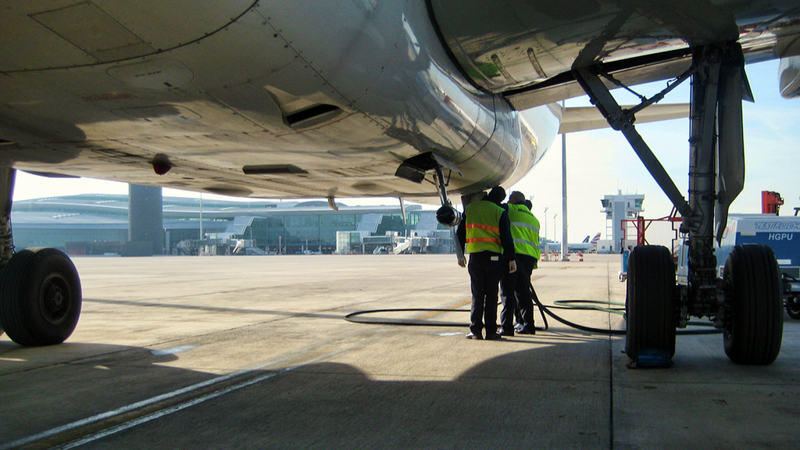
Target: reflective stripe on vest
[[524, 230], [484, 227], [483, 232]]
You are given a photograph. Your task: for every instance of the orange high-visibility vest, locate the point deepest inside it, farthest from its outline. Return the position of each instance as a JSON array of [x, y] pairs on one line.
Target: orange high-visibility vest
[[483, 227]]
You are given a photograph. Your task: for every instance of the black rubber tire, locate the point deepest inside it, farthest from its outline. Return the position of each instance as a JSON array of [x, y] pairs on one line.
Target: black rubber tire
[[650, 302], [40, 297], [753, 327]]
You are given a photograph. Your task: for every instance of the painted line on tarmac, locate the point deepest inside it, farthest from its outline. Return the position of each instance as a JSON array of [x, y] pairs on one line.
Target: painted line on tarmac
[[173, 350], [109, 415], [164, 412]]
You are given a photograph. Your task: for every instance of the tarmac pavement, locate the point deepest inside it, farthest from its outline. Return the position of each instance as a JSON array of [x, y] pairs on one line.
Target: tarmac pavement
[[254, 352]]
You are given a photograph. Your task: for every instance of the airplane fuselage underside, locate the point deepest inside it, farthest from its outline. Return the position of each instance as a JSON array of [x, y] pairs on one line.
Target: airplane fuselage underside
[[261, 99]]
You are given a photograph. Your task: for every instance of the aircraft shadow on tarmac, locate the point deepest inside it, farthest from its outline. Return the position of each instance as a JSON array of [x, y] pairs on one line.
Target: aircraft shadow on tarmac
[[330, 405], [568, 395]]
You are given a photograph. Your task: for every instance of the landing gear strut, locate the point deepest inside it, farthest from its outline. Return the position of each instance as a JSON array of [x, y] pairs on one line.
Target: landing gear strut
[[415, 168], [746, 303], [40, 290]]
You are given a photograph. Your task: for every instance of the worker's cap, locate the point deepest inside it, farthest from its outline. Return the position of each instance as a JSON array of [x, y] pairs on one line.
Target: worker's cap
[[517, 198], [496, 195]]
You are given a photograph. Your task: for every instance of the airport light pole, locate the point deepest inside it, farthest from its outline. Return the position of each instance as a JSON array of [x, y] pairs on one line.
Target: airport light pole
[[545, 223], [555, 233], [564, 235], [201, 216]]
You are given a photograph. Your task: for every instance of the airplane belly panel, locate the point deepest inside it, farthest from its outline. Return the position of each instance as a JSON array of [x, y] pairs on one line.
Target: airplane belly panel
[[61, 33], [273, 105], [387, 61]]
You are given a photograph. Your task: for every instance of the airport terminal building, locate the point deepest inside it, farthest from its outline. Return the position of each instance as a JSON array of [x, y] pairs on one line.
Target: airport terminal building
[[98, 224]]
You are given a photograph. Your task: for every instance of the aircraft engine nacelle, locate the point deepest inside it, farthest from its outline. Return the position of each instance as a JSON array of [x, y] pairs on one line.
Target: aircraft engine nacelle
[[448, 216]]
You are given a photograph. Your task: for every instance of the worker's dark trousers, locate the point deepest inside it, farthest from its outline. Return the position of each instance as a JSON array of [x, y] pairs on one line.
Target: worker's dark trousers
[[485, 271], [516, 293]]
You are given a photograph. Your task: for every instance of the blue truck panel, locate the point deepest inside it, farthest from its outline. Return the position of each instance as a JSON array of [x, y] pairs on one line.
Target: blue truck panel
[[781, 234]]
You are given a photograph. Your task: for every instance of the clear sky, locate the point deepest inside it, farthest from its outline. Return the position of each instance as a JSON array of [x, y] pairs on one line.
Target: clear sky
[[601, 162]]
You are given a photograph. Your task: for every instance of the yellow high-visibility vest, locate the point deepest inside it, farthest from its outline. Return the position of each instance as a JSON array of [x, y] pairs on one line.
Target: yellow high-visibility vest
[[483, 227], [524, 230]]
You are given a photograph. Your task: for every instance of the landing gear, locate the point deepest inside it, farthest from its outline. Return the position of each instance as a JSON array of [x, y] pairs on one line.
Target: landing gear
[[746, 304], [753, 326], [40, 290], [650, 303], [41, 297], [415, 168]]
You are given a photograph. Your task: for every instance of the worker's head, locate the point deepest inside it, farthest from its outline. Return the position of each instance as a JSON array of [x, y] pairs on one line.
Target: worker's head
[[529, 204], [517, 198], [496, 195]]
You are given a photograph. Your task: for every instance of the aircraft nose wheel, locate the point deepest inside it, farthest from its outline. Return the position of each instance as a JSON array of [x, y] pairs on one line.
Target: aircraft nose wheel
[[753, 326], [40, 297]]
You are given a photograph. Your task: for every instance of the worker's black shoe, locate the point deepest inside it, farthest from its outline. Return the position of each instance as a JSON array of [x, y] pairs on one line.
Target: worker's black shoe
[[527, 330], [493, 337], [474, 336], [505, 333]]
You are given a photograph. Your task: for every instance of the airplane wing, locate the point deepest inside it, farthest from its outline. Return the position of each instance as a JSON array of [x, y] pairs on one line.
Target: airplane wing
[[574, 119]]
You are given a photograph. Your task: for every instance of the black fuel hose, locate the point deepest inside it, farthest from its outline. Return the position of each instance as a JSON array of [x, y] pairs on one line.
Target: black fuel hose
[[615, 308]]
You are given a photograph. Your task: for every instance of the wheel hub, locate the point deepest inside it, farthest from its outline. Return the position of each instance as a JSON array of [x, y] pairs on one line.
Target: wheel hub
[[54, 299]]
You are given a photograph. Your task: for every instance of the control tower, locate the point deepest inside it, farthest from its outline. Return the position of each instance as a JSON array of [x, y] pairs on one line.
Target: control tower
[[618, 208]]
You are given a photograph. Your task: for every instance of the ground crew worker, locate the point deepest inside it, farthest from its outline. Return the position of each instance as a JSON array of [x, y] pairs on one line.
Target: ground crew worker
[[485, 230], [516, 287]]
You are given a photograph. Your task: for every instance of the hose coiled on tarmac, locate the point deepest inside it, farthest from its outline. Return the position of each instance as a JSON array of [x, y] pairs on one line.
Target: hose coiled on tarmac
[[614, 308]]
